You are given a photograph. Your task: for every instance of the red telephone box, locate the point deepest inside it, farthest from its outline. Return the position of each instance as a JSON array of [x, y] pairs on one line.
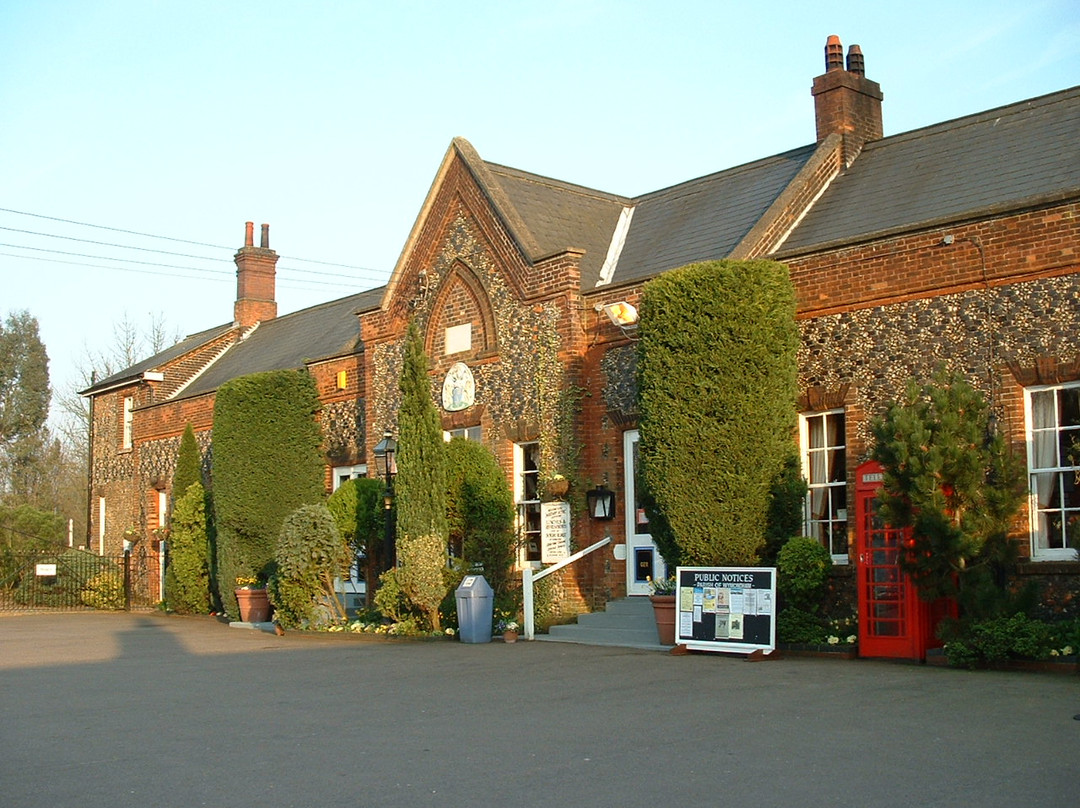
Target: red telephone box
[[893, 620]]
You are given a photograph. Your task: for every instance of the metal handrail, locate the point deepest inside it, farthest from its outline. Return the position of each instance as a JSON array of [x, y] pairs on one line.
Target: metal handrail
[[528, 578]]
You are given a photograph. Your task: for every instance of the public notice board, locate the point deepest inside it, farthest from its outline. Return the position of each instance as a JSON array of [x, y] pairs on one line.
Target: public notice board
[[729, 609]]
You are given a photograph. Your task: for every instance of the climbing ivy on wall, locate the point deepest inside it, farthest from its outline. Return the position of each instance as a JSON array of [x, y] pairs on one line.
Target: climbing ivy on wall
[[717, 385], [267, 463]]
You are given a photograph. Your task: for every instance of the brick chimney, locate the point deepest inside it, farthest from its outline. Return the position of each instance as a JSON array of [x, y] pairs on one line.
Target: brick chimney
[[845, 101], [255, 269]]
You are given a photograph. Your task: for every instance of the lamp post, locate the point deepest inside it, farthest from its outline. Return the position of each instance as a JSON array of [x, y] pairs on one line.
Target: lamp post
[[386, 467]]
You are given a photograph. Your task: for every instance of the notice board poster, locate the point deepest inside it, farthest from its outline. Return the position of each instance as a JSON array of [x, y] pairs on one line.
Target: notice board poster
[[729, 609]]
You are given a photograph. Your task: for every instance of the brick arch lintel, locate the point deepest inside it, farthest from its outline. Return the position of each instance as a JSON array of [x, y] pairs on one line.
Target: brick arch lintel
[[1045, 370], [819, 397], [460, 271]]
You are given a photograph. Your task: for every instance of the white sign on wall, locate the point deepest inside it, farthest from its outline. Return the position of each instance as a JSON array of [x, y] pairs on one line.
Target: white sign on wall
[[554, 531]]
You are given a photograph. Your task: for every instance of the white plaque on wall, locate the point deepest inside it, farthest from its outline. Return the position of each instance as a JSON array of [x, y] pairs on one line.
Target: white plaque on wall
[[554, 531], [458, 338], [459, 389]]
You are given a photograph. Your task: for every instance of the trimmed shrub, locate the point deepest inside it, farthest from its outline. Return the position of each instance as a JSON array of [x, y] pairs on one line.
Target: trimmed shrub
[[311, 554], [802, 569], [391, 600], [717, 386], [267, 462], [480, 512], [357, 506], [421, 567], [187, 579], [975, 643], [796, 625]]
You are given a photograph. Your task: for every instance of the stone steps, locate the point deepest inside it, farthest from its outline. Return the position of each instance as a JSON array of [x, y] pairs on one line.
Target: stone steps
[[626, 623]]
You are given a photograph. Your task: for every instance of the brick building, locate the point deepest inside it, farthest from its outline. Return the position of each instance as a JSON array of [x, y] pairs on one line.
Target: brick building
[[955, 244]]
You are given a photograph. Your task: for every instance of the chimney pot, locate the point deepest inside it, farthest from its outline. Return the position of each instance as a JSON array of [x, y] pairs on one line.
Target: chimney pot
[[249, 234], [834, 54], [855, 61], [266, 237]]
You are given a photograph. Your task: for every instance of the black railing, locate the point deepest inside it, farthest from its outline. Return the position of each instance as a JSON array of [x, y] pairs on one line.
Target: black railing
[[76, 579]]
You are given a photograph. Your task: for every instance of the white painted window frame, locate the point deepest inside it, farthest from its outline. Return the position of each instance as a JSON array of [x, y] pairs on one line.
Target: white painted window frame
[[804, 454], [1061, 467]]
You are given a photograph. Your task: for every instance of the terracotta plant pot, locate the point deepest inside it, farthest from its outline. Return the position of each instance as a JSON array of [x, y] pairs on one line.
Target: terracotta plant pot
[[664, 611], [510, 636], [254, 605]]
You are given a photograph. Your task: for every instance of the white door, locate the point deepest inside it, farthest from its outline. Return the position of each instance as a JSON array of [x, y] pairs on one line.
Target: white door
[[643, 561]]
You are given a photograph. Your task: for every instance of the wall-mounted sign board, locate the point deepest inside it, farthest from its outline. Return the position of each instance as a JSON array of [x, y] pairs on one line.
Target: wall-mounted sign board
[[730, 609], [554, 531]]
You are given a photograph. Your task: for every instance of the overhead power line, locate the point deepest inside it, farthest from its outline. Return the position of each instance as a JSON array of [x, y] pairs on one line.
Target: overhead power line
[[381, 274]]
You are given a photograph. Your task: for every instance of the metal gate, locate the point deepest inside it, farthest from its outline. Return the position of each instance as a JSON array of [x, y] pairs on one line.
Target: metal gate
[[73, 580]]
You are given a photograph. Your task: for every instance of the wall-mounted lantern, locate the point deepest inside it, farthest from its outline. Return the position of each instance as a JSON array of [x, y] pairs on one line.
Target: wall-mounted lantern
[[601, 502]]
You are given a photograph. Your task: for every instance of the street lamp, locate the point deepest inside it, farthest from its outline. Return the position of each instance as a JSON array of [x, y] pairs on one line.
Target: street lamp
[[386, 467]]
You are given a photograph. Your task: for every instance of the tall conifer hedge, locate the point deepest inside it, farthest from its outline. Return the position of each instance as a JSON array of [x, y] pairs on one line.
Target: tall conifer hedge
[[267, 463], [717, 381]]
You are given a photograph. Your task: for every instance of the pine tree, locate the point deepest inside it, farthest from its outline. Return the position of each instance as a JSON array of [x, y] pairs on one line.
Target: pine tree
[[951, 479], [420, 485]]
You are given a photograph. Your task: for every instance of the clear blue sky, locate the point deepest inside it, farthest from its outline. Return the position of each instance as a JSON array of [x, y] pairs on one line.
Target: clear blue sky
[[328, 120]]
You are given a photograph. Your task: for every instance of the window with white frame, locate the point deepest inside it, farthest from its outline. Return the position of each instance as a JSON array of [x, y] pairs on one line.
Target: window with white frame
[[129, 415], [527, 497], [822, 438], [341, 474], [474, 433], [1053, 441]]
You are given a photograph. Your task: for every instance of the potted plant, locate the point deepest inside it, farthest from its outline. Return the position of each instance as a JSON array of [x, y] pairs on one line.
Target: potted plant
[[509, 629], [252, 599], [557, 486], [663, 603]]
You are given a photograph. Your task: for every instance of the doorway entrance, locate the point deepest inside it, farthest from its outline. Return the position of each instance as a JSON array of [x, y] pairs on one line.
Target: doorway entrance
[[643, 560]]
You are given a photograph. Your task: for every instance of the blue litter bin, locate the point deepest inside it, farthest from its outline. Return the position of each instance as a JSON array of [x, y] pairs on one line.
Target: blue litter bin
[[475, 609]]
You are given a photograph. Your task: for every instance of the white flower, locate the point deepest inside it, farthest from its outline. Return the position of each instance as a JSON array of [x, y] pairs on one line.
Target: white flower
[[833, 640], [1067, 650], [852, 639], [1054, 652]]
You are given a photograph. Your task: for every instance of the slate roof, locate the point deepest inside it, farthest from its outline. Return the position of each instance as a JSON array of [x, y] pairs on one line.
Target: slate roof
[[703, 219], [700, 220], [288, 341], [158, 360], [996, 159], [560, 215]]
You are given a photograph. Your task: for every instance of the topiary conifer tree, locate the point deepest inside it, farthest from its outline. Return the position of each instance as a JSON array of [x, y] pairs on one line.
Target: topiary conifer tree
[[187, 579], [188, 464], [717, 382], [420, 485], [267, 463]]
